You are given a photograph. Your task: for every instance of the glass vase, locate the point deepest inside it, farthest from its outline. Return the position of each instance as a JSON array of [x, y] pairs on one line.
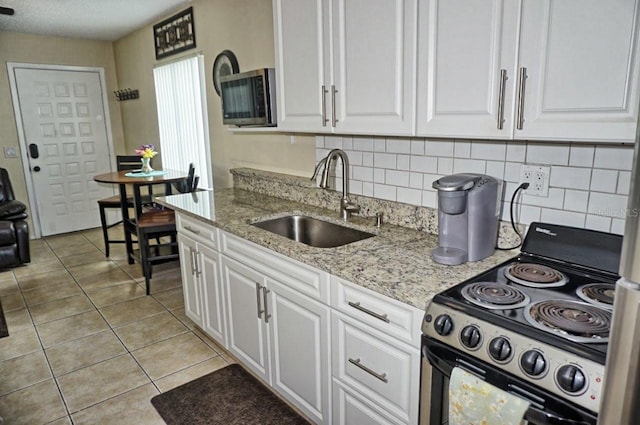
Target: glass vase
[[146, 165]]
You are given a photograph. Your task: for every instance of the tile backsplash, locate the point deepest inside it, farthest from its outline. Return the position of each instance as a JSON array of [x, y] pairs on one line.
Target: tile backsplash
[[588, 183]]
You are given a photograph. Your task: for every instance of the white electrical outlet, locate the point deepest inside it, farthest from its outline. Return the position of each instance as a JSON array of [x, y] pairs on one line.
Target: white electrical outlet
[[538, 178]]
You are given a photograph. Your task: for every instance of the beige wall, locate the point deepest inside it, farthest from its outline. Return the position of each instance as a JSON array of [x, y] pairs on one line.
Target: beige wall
[[30, 48], [244, 27]]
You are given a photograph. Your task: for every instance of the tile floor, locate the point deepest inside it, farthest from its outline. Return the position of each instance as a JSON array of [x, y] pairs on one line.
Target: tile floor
[[86, 345]]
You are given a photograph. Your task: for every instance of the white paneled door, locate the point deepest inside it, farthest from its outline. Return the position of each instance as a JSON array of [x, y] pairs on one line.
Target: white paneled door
[[64, 133]]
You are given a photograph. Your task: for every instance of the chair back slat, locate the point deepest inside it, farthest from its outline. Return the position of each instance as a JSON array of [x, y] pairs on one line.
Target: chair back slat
[[128, 162]]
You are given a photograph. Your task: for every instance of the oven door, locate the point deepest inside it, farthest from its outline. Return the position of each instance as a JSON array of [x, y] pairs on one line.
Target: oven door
[[546, 408]]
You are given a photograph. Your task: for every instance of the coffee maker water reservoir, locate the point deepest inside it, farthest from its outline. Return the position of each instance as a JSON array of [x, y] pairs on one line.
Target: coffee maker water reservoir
[[468, 212]]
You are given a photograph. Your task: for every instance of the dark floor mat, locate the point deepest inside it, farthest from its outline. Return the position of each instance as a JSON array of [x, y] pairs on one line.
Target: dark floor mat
[[227, 396]]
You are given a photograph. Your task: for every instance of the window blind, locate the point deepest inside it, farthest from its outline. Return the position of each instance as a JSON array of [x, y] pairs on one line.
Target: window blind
[[182, 117]]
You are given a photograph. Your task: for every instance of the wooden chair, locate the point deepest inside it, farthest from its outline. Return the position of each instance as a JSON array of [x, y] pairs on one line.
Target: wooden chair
[[123, 162], [159, 224]]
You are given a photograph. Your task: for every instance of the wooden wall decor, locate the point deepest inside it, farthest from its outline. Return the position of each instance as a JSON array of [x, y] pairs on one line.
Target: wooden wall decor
[[175, 34]]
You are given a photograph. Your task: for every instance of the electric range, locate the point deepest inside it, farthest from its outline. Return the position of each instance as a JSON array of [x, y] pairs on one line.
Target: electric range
[[536, 325]]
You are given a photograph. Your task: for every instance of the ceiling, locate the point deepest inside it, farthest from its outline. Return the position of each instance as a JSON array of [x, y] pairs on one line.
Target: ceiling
[[91, 19]]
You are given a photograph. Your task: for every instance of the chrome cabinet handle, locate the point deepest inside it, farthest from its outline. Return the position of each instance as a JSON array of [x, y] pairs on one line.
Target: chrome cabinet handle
[[503, 81], [334, 120], [380, 376], [192, 230], [197, 262], [378, 316], [521, 90], [260, 310], [323, 95], [193, 260], [265, 301]]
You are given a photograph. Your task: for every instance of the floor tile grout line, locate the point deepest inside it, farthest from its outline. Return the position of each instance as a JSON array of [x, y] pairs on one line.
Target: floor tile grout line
[[110, 327], [42, 348], [44, 353]]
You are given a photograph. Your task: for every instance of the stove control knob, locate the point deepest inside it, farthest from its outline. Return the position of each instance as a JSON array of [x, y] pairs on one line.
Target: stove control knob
[[571, 379], [500, 349], [470, 336], [443, 324], [533, 363]]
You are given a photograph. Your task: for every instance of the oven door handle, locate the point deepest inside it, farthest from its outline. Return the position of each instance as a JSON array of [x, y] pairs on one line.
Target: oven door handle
[[537, 416]]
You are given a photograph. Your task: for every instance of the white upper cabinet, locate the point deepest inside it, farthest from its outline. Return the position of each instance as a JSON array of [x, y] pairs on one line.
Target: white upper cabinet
[[301, 30], [374, 66], [547, 70], [466, 62], [581, 63], [346, 66]]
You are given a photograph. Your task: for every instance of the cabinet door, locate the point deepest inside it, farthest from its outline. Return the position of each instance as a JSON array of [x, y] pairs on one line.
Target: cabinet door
[[211, 291], [374, 65], [299, 329], [192, 296], [247, 335], [302, 37], [581, 62], [466, 68]]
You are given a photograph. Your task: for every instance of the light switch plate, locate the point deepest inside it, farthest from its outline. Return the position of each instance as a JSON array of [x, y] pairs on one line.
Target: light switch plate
[[10, 152]]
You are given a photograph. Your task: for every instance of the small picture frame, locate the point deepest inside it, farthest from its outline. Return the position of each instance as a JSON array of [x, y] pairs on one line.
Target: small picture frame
[[175, 34]]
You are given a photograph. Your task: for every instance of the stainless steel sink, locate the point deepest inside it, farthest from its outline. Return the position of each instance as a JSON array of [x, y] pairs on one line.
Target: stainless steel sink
[[313, 232]]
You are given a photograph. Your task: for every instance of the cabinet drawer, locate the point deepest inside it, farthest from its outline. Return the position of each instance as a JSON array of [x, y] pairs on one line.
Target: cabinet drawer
[[380, 368], [350, 408], [383, 313], [305, 279], [198, 230]]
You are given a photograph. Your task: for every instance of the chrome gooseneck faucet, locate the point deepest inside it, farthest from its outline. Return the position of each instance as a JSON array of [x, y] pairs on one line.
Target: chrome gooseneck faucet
[[346, 206]]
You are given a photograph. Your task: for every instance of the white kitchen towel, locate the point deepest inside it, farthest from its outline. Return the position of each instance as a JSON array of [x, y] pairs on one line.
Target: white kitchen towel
[[475, 402]]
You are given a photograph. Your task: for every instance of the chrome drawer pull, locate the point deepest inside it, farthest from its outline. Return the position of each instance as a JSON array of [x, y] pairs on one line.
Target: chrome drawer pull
[[260, 310], [357, 306], [520, 102], [197, 263], [323, 95], [382, 377], [334, 120], [192, 230], [192, 252], [503, 80], [265, 300]]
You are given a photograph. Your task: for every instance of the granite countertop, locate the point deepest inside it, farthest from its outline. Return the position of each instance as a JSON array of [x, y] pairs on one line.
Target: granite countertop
[[396, 263]]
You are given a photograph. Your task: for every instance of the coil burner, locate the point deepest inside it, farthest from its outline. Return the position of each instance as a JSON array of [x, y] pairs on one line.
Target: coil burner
[[573, 320], [600, 294], [495, 295], [535, 275]]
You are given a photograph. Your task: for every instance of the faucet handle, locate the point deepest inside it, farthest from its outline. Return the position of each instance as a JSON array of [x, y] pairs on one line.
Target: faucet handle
[[379, 217]]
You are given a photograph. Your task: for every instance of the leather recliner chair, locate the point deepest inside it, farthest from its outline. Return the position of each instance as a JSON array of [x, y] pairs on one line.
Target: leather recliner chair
[[14, 230]]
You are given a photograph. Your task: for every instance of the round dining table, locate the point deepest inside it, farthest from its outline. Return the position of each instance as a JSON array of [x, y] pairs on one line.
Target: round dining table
[[137, 180]]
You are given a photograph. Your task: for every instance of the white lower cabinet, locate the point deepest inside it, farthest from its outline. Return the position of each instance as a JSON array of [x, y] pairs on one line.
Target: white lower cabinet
[[376, 366], [351, 408], [300, 348], [203, 299], [247, 337], [338, 352], [281, 335]]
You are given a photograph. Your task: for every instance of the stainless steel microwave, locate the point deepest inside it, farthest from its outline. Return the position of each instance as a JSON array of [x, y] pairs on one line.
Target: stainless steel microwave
[[249, 98]]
